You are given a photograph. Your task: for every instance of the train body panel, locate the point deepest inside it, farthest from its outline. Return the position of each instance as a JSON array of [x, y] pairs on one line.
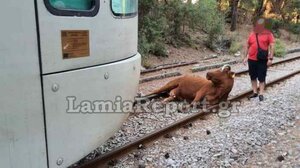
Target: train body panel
[[72, 117], [49, 55], [22, 136], [108, 36]]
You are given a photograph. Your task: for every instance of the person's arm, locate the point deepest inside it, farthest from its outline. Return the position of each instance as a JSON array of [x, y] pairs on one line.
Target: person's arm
[[271, 49], [245, 58], [246, 51]]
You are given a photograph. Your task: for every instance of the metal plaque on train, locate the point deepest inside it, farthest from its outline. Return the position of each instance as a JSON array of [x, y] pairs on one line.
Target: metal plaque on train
[[75, 43]]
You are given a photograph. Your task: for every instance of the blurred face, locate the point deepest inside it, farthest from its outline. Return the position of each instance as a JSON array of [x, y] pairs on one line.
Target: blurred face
[[259, 25]]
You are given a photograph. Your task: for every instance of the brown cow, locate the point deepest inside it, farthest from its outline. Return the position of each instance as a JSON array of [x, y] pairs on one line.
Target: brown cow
[[215, 88]]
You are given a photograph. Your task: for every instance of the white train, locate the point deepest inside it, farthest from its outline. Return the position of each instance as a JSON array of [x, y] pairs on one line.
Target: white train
[[53, 51]]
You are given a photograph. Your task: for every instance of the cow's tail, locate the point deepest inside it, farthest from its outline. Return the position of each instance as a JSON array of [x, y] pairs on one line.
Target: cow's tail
[[168, 87]]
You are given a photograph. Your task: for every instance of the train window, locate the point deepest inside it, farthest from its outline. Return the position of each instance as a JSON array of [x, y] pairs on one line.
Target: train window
[[124, 7], [73, 7], [72, 4]]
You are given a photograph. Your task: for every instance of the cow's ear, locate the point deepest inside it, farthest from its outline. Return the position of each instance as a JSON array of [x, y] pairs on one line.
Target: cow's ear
[[231, 74]]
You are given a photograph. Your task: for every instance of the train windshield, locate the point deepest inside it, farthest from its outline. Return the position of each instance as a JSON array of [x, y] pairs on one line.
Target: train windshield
[[124, 7], [73, 4]]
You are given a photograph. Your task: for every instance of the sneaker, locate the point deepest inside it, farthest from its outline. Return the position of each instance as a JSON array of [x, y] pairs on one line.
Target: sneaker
[[261, 98], [252, 96]]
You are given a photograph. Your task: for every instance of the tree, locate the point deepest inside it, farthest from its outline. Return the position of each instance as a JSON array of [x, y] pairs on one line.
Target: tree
[[260, 9], [234, 14]]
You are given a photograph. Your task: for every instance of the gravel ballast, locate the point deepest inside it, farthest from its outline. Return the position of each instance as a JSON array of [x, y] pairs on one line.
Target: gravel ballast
[[208, 137], [232, 141]]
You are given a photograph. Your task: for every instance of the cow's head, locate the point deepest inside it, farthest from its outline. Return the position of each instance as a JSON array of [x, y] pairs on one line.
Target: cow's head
[[221, 76]]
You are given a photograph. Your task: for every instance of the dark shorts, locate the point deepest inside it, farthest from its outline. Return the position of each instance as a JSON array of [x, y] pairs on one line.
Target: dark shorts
[[258, 70]]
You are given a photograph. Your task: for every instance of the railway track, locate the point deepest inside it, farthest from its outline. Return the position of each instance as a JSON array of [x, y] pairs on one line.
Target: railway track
[[178, 73], [242, 72], [102, 160], [238, 74], [182, 64], [176, 65]]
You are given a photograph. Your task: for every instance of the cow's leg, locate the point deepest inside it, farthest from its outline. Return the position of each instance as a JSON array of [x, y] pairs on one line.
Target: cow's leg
[[170, 98], [173, 95], [198, 98], [225, 97]]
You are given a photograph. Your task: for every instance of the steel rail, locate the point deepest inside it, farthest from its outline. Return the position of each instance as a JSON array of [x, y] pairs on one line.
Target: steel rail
[[239, 73], [274, 64], [196, 62], [153, 78], [169, 67], [105, 158]]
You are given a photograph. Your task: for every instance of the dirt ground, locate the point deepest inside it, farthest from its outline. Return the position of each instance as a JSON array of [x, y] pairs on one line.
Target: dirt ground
[[200, 52]]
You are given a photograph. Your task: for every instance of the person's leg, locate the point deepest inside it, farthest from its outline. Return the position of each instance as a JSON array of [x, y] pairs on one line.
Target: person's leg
[[262, 88], [253, 76], [262, 73], [254, 86], [261, 91]]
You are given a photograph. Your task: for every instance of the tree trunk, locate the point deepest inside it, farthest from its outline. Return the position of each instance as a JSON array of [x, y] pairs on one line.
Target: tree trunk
[[260, 9], [219, 4], [234, 13], [278, 6]]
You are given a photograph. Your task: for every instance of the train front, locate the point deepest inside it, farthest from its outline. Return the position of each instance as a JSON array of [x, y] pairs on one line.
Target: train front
[[90, 70]]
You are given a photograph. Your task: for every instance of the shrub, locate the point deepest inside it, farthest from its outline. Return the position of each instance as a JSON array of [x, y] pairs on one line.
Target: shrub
[[275, 25], [211, 21], [146, 63], [294, 28], [166, 22], [279, 49], [159, 49], [235, 47], [152, 27]]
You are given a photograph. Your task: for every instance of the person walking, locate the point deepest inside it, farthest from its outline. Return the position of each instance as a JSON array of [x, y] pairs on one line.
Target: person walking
[[259, 55]]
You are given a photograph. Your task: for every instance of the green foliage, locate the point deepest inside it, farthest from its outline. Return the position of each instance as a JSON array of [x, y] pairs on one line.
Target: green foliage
[[211, 21], [279, 50], [146, 63], [159, 49], [249, 4], [235, 47], [290, 10], [144, 46], [152, 27], [275, 25], [171, 22], [294, 28]]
